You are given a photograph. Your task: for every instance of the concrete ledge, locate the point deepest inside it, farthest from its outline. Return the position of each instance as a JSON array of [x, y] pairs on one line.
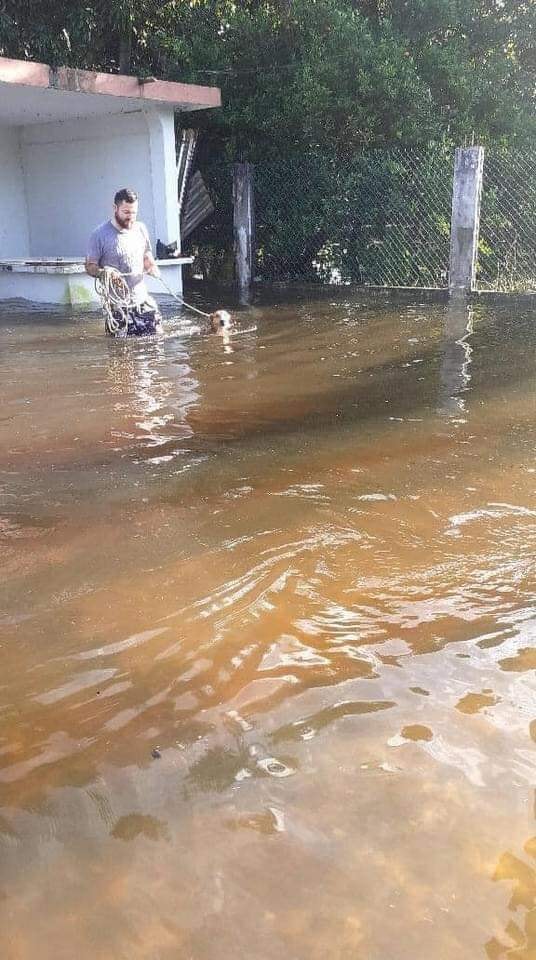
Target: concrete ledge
[[442, 295], [403, 294], [500, 296], [187, 96], [22, 71], [430, 294], [65, 280], [58, 266], [318, 290], [71, 287], [63, 265]]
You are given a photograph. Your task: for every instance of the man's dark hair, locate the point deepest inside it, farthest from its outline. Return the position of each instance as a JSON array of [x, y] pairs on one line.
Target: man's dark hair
[[125, 196]]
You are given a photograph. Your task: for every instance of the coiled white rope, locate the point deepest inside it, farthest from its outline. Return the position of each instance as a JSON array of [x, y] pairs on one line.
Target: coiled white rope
[[116, 298]]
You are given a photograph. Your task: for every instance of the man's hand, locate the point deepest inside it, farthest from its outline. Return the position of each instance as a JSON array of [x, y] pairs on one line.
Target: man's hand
[[102, 272]]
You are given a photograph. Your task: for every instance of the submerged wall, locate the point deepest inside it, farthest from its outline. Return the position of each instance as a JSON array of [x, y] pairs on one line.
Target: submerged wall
[[73, 168], [14, 238]]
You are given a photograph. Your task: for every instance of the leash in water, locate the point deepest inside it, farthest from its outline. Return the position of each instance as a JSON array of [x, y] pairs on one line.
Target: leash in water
[[220, 320], [123, 317], [181, 301]]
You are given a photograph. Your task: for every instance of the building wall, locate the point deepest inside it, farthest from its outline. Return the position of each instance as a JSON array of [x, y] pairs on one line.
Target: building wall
[[14, 239], [73, 168]]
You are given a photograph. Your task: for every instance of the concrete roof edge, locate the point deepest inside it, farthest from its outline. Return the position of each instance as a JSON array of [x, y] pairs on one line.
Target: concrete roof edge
[[72, 80]]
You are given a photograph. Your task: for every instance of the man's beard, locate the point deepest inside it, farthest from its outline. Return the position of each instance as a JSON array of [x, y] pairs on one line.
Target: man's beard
[[125, 224]]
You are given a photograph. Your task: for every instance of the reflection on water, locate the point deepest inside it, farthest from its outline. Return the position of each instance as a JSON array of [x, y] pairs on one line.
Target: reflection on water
[[517, 941], [267, 645], [456, 354]]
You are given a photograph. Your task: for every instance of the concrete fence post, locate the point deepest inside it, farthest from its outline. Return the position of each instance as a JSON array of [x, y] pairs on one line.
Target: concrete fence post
[[244, 223], [465, 221]]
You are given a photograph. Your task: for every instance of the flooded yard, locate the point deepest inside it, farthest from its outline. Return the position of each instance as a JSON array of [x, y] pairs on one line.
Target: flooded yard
[[267, 647]]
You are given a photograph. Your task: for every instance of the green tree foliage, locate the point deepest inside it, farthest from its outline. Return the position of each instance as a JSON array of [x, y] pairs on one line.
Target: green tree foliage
[[478, 59], [327, 74], [101, 34], [319, 79]]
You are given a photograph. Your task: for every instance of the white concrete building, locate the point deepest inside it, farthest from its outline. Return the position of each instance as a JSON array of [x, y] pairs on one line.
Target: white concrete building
[[68, 140]]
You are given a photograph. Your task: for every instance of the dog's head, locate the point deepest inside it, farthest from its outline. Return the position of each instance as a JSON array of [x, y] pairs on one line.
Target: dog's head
[[220, 321]]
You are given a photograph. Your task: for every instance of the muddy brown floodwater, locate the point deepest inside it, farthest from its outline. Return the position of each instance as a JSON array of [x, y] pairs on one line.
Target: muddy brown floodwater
[[268, 636]]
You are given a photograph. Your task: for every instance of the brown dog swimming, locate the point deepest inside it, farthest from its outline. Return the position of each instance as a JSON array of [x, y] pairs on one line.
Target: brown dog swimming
[[220, 321]]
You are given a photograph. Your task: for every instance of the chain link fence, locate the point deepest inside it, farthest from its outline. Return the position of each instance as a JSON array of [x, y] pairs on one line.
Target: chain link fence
[[507, 240], [381, 218]]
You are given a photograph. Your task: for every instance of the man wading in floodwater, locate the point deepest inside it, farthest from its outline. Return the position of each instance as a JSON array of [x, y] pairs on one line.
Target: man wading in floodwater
[[122, 245]]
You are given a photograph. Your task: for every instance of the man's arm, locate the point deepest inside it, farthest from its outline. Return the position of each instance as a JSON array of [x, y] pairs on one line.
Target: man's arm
[[94, 252], [149, 262], [92, 267], [150, 265]]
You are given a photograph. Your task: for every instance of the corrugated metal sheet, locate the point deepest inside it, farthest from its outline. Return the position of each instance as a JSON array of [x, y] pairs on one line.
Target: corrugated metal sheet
[[184, 163], [197, 205]]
